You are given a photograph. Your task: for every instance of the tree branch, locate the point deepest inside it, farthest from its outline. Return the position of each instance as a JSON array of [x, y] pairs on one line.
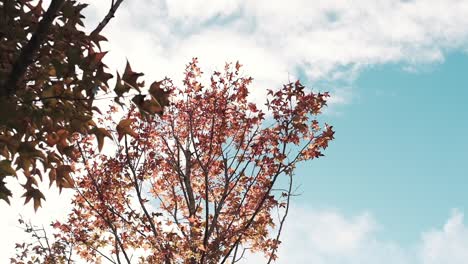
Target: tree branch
[[283, 219], [110, 14], [27, 53]]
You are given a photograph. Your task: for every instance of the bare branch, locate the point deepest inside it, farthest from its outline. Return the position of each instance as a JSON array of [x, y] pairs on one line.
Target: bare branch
[[110, 14]]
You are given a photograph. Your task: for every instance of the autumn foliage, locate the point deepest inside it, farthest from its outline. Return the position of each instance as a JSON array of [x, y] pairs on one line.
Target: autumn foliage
[[51, 74], [200, 184], [195, 174]]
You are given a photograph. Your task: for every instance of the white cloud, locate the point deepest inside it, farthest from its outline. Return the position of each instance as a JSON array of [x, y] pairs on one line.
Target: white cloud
[[275, 39], [448, 245], [329, 237], [200, 10]]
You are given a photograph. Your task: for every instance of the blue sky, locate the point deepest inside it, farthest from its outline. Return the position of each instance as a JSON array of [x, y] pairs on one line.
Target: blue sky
[[401, 149], [393, 185], [400, 159]]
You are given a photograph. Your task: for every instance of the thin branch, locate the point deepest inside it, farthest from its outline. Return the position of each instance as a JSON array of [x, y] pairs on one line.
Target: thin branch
[[283, 219], [69, 260], [259, 207], [138, 191], [242, 255], [235, 254], [47, 241]]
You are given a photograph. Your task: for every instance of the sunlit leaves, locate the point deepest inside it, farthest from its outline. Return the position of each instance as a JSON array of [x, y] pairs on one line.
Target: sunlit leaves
[[151, 106], [53, 101], [63, 177], [42, 248], [155, 102]]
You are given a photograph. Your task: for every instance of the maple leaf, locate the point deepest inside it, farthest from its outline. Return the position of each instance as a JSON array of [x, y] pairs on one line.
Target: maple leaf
[[63, 177], [124, 128], [51, 74], [159, 94], [100, 134], [201, 247], [120, 88], [130, 77], [56, 224], [98, 56], [5, 193], [6, 169], [152, 106], [36, 195], [210, 167]]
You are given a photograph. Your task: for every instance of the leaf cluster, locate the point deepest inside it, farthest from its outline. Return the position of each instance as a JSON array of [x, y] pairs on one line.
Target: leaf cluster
[[51, 75]]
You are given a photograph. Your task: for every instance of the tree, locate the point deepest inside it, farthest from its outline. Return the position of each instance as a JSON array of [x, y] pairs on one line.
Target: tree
[[201, 183], [51, 74]]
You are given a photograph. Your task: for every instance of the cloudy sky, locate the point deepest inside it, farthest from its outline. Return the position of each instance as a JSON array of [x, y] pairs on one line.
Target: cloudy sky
[[393, 187]]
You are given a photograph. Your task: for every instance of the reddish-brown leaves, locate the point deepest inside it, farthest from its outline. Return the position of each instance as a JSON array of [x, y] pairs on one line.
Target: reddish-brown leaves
[[200, 180]]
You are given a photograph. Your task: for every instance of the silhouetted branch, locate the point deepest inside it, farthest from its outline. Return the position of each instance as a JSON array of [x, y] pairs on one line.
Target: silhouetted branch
[[110, 14]]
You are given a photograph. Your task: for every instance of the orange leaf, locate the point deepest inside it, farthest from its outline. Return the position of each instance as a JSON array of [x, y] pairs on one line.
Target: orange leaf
[[202, 248]]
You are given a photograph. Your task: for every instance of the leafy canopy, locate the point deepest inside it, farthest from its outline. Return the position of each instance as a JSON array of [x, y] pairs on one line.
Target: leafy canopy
[[51, 74]]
